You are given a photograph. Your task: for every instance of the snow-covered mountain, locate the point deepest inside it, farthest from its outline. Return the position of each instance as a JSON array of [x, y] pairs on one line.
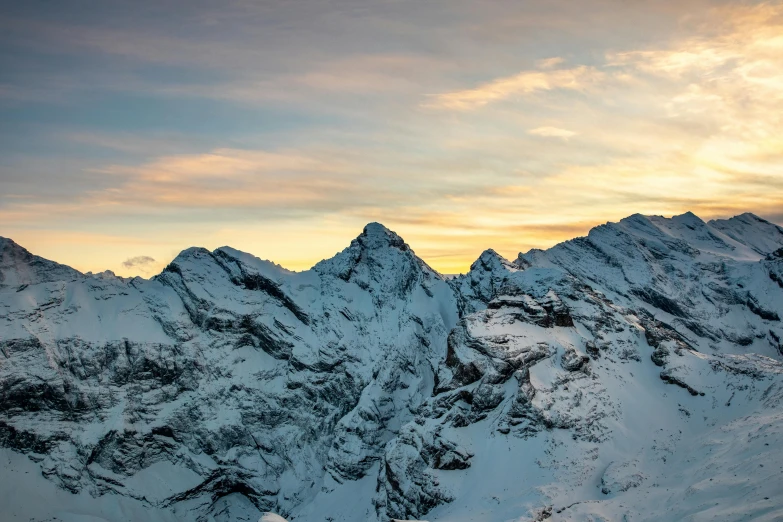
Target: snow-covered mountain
[[633, 374]]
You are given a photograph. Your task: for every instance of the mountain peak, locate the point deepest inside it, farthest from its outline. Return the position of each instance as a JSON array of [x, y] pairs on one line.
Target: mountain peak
[[491, 260], [226, 360], [688, 218], [749, 217], [377, 254], [10, 244], [751, 230], [375, 235], [490, 253], [19, 267]]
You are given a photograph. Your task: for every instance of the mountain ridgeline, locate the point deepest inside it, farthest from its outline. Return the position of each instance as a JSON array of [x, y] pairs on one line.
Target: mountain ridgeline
[[632, 374]]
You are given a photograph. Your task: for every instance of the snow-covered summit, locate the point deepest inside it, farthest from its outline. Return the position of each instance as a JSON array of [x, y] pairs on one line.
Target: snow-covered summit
[[375, 235], [709, 280], [634, 373], [484, 280], [752, 231], [380, 261], [489, 260], [20, 267]]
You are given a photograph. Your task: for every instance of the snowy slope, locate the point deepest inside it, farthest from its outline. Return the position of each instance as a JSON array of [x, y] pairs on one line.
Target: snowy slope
[[18, 267], [715, 283], [632, 373]]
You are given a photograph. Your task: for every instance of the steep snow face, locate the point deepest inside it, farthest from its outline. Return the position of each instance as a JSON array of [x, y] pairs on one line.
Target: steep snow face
[[557, 403], [611, 376], [715, 283], [224, 378], [752, 231]]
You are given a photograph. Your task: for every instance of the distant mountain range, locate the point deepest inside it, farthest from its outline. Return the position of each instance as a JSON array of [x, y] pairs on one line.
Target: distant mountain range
[[632, 374]]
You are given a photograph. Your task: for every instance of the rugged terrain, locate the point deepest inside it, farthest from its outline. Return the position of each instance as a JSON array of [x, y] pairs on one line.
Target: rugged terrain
[[633, 374]]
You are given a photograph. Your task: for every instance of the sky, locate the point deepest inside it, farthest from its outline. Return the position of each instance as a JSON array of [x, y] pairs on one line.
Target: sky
[[132, 130]]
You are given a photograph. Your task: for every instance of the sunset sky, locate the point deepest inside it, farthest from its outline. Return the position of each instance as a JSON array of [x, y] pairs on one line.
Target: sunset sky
[[132, 130]]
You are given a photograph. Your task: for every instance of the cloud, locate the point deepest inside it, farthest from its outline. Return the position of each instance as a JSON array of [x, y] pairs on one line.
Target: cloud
[[524, 83], [140, 262], [730, 82], [234, 178], [552, 132], [677, 106], [550, 63]]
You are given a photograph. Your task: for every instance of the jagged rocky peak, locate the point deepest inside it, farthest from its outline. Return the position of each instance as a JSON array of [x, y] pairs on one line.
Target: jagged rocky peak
[[239, 267], [698, 276], [223, 286], [687, 221], [264, 266], [683, 226], [659, 239], [597, 378], [486, 279], [195, 264], [20, 267], [751, 230], [748, 219], [376, 235], [690, 219], [639, 221], [490, 260], [189, 255], [379, 260]]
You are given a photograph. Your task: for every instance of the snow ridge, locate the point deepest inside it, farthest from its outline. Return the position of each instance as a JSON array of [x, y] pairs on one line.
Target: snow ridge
[[635, 372]]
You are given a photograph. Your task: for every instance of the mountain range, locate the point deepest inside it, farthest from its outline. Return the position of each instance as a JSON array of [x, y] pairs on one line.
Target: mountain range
[[632, 374]]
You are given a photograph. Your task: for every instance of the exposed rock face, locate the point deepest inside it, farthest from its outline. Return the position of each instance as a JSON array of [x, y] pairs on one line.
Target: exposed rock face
[[370, 388], [229, 370], [620, 477]]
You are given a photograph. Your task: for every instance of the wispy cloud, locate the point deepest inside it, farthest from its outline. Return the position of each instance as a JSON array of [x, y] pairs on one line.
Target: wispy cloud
[[552, 132], [232, 178], [550, 63], [281, 128], [140, 263], [524, 83]]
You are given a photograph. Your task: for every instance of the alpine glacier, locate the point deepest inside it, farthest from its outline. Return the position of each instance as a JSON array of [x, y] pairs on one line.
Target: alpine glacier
[[632, 374]]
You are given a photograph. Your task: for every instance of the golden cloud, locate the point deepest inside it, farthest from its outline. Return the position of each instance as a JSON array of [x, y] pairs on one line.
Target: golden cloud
[[690, 124], [526, 82], [552, 132]]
